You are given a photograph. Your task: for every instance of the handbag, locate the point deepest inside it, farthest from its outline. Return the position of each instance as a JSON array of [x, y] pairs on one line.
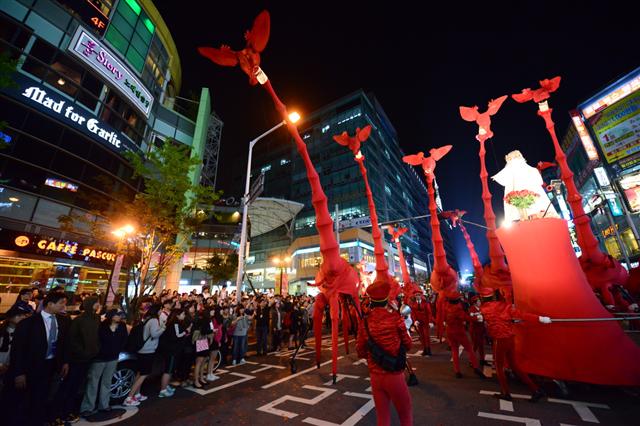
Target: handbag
[[384, 359], [202, 345]]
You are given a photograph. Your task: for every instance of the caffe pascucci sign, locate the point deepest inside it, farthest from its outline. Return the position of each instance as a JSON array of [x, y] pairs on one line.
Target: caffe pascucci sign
[[98, 57]]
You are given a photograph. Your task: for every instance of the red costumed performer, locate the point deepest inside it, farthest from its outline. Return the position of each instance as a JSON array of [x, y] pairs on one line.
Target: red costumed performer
[[499, 315], [477, 329], [413, 295], [455, 316], [384, 340], [336, 278], [443, 276]]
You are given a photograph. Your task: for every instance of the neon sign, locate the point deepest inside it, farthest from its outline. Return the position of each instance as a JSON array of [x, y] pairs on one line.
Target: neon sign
[[61, 184]]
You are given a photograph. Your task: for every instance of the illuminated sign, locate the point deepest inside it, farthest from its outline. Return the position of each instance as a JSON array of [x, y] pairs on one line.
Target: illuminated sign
[[631, 187], [5, 137], [61, 184], [583, 133], [601, 176], [610, 230], [46, 246], [89, 12], [612, 97], [90, 51], [617, 129]]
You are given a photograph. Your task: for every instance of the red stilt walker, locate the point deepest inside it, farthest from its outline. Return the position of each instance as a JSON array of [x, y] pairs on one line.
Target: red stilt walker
[[336, 278], [413, 295]]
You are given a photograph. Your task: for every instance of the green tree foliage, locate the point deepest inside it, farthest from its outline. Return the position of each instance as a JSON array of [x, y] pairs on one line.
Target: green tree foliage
[[222, 266]]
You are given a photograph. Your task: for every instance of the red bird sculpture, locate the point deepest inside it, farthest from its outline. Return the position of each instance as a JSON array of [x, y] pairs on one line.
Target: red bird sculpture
[[542, 165], [429, 163], [453, 215], [354, 142], [483, 119], [249, 57], [547, 86]]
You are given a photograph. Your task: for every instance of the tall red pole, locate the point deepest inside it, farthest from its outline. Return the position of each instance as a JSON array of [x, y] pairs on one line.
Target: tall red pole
[[378, 249], [496, 254]]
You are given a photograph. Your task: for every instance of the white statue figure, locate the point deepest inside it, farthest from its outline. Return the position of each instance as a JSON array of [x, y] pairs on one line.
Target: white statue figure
[[517, 175]]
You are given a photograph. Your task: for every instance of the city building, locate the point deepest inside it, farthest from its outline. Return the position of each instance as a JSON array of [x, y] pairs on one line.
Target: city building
[[399, 193], [603, 150], [94, 80]]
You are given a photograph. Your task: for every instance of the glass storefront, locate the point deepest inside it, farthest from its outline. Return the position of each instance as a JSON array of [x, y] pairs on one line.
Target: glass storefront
[[18, 273]]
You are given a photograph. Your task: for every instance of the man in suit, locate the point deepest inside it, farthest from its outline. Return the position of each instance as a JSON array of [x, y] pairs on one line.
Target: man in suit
[[36, 355]]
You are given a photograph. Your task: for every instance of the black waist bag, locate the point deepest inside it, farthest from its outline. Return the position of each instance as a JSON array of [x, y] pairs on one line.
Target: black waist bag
[[383, 358]]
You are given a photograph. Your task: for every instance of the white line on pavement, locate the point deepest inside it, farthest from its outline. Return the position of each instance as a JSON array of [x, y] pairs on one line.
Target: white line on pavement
[[339, 378], [514, 395], [266, 367], [243, 378], [353, 419], [506, 405], [526, 420], [582, 408], [299, 373], [270, 407]]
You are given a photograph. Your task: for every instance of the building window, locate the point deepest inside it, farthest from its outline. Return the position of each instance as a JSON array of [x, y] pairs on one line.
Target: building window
[[130, 32], [387, 190], [284, 161], [326, 128], [266, 168]]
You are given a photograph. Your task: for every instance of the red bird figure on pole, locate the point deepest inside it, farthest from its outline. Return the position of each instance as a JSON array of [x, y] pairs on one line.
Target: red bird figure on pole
[[543, 165], [547, 86], [353, 142], [249, 57], [483, 120]]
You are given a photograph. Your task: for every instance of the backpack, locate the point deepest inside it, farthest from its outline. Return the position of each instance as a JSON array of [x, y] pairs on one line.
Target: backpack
[[136, 339]]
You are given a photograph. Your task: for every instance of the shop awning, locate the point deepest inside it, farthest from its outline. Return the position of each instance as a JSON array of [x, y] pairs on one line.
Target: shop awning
[[267, 214]]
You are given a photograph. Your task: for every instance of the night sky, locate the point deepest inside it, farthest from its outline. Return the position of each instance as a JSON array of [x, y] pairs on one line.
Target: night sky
[[422, 64]]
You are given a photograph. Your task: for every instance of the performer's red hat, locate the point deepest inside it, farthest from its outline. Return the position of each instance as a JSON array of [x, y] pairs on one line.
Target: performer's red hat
[[379, 290]]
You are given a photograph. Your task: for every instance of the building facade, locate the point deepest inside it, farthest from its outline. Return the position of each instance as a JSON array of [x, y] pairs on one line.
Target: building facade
[[603, 150], [399, 193], [94, 80]]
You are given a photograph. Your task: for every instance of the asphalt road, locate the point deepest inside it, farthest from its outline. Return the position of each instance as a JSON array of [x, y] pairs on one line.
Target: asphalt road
[[264, 392]]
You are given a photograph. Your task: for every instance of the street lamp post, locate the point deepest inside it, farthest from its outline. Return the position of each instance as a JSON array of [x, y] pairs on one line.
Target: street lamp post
[[282, 264], [293, 117], [121, 234]]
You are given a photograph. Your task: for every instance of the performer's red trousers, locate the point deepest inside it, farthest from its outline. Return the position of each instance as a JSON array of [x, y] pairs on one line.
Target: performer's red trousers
[[456, 339], [477, 338], [423, 332], [391, 388], [504, 351]]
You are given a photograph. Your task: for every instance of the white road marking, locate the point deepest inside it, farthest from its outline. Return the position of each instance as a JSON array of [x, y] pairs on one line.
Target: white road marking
[[238, 365], [582, 408], [299, 373], [128, 412], [361, 361], [243, 378], [353, 419], [526, 420], [267, 367], [506, 405], [270, 407], [339, 378]]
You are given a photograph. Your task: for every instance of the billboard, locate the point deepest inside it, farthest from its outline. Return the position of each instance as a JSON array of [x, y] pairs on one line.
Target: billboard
[[617, 129]]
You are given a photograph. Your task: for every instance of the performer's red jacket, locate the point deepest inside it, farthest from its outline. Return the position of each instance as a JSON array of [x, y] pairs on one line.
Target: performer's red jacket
[[455, 317], [421, 312], [388, 330], [499, 315]]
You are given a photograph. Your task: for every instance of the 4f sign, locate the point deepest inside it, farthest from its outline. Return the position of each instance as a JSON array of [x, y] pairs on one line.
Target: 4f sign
[[100, 59]]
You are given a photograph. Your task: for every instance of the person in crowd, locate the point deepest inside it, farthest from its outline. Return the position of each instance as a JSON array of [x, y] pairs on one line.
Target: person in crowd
[[214, 342], [167, 306], [171, 347], [241, 322], [13, 316], [201, 339], [151, 336], [295, 325], [37, 356], [477, 329], [226, 335], [188, 350], [262, 327], [24, 302], [276, 321], [304, 323], [384, 341], [112, 337]]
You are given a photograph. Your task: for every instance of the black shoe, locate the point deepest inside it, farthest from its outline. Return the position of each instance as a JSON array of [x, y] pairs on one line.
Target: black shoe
[[56, 422], [426, 352], [505, 396], [72, 418], [458, 375], [479, 373], [537, 395]]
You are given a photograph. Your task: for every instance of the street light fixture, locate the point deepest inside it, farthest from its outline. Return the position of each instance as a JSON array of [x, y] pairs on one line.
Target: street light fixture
[[120, 234], [282, 264], [293, 118]]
